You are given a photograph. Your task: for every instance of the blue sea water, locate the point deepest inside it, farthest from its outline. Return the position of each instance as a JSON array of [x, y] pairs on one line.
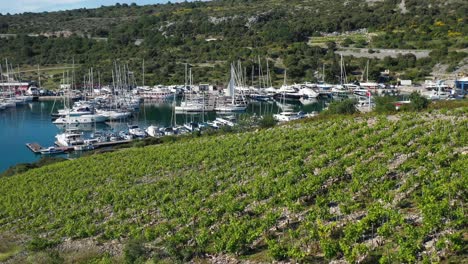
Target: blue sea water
[[32, 123]]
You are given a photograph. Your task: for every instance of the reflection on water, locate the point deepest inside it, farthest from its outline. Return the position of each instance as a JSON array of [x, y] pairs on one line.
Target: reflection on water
[[32, 123]]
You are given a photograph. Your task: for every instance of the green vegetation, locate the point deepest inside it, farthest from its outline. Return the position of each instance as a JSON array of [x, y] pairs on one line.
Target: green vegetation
[[23, 167], [418, 102], [267, 121], [385, 104], [347, 106], [373, 188], [210, 35]]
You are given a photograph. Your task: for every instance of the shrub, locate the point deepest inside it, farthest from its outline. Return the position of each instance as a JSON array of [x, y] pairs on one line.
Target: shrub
[[344, 107], [134, 251], [267, 121], [38, 244], [384, 104], [418, 102]]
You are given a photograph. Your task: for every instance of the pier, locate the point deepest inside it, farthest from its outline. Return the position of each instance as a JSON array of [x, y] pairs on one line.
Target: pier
[[34, 147], [37, 148]]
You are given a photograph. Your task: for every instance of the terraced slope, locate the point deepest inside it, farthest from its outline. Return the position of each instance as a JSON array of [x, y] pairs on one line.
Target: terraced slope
[[367, 188]]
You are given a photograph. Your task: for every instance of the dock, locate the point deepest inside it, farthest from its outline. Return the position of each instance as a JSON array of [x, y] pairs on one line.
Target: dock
[[34, 147], [111, 143]]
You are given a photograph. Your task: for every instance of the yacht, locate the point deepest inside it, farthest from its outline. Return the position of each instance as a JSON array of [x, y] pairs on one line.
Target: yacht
[[365, 105], [308, 93], [80, 119], [261, 96], [361, 92], [136, 131], [287, 92], [25, 98], [69, 138], [288, 116], [84, 147], [114, 114], [76, 111], [154, 131], [156, 93], [224, 121], [169, 131], [192, 127], [8, 103]]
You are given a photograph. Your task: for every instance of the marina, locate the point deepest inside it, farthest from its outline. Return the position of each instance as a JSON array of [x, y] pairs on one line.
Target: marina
[[32, 123], [69, 121]]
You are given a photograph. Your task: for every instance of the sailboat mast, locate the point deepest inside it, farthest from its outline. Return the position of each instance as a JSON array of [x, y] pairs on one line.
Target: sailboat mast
[[323, 73], [269, 84], [259, 72], [39, 74], [367, 75]]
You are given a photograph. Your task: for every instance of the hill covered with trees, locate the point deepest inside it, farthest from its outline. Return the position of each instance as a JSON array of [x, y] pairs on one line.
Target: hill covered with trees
[[366, 188], [210, 35]]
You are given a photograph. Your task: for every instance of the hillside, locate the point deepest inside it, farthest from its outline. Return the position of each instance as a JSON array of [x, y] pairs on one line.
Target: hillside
[[210, 35], [364, 188]]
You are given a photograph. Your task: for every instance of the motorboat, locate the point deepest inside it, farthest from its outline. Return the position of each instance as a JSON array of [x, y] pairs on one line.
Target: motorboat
[[84, 147], [154, 131], [69, 138], [169, 131], [114, 114], [224, 121], [287, 92], [192, 126], [80, 119], [288, 116], [308, 93], [136, 131], [51, 151]]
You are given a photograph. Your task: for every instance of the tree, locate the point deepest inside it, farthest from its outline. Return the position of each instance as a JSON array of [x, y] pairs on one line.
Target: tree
[[344, 107], [418, 102], [385, 104]]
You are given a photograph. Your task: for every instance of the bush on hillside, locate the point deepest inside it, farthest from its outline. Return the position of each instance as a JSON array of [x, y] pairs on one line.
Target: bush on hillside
[[134, 251], [418, 102], [344, 107], [267, 121], [385, 104]]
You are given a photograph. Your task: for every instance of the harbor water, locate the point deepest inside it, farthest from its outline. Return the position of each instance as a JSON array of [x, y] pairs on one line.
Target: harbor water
[[32, 123]]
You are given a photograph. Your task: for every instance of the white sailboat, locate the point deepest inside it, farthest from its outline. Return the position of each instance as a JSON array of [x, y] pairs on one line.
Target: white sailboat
[[231, 102], [194, 103]]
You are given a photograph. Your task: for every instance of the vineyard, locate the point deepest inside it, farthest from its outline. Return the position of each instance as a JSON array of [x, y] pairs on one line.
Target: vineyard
[[369, 188]]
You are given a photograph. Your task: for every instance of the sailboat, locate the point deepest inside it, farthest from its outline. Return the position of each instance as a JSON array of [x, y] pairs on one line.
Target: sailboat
[[365, 86], [231, 102], [343, 89], [194, 103], [262, 94]]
